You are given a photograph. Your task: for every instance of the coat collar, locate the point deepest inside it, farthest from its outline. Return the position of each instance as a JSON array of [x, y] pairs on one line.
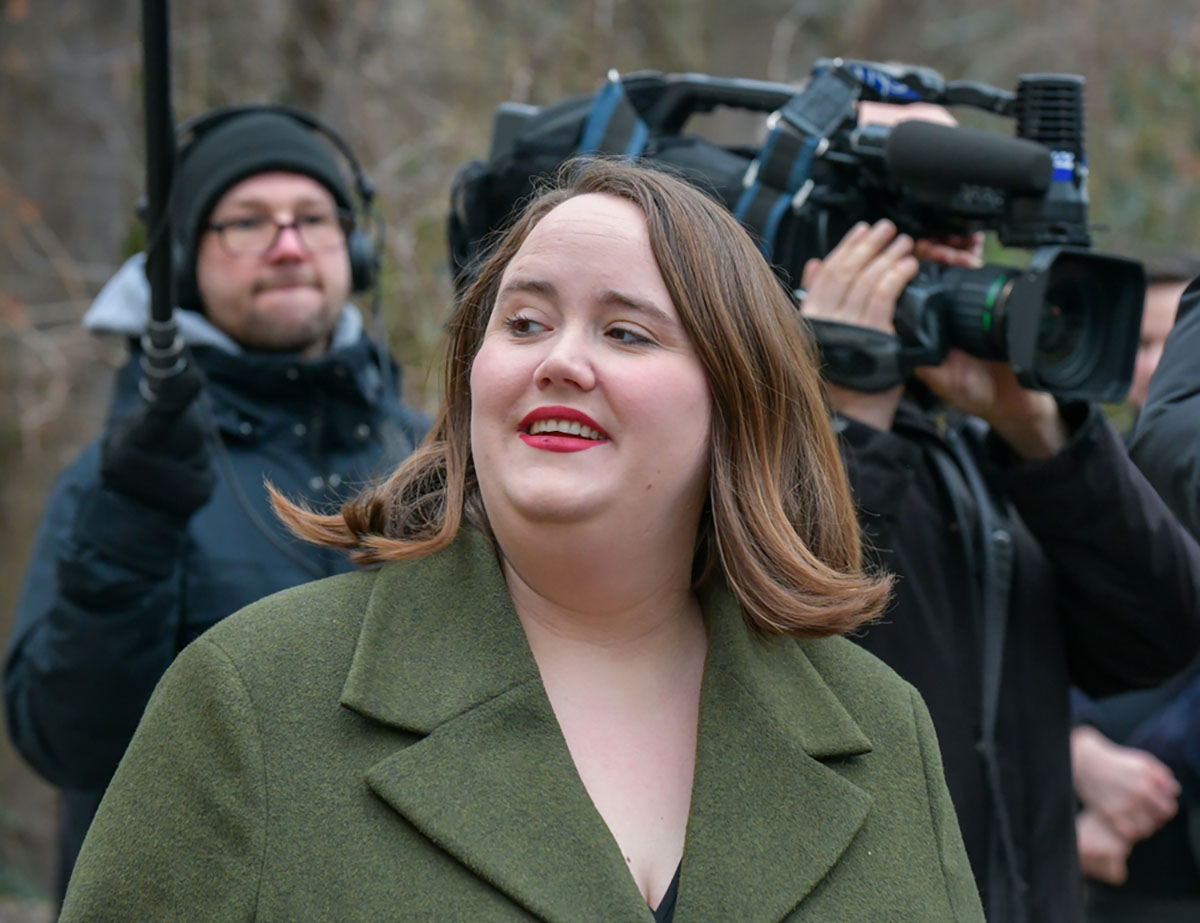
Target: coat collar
[[491, 780]]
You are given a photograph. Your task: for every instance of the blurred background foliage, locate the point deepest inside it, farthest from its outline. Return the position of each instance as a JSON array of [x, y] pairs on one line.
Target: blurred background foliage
[[412, 85]]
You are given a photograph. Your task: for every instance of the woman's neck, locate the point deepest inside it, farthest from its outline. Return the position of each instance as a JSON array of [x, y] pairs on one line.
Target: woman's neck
[[645, 632], [595, 591]]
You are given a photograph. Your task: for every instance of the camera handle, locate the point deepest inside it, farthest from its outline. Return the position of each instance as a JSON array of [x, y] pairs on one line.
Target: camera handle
[[864, 359], [889, 83], [688, 94], [615, 125]]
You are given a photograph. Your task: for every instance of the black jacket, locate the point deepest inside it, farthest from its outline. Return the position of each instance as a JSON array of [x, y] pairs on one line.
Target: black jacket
[[1166, 447], [1104, 593], [115, 589], [1166, 442]]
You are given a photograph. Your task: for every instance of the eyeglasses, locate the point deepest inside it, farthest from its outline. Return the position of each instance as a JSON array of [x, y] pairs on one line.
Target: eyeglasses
[[254, 235]]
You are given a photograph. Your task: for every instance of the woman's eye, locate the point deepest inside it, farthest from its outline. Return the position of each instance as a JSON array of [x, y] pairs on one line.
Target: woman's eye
[[519, 325], [627, 336]]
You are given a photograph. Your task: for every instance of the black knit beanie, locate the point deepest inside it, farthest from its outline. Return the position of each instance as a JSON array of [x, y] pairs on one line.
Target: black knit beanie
[[242, 146]]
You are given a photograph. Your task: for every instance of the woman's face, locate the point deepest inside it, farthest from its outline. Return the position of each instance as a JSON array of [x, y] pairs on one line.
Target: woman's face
[[588, 399]]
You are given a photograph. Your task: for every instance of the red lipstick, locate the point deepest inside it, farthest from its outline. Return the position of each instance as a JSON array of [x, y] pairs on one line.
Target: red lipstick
[[560, 442]]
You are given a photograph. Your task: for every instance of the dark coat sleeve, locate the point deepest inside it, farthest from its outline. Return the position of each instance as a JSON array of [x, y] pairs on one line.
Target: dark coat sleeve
[[1173, 735], [1166, 443], [95, 628], [1127, 575]]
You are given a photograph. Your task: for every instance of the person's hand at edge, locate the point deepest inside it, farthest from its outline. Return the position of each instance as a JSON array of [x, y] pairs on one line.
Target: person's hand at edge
[[1130, 789], [159, 455], [1102, 851]]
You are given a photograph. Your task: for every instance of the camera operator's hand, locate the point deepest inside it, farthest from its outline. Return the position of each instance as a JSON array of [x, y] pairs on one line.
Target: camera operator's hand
[[159, 454], [1029, 421], [858, 283]]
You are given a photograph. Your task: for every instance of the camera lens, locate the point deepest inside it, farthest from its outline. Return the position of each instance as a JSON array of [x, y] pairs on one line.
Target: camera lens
[[978, 309], [1072, 324], [1068, 347], [1061, 327]]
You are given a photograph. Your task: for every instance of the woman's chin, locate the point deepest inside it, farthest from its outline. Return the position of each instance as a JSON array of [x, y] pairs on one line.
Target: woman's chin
[[551, 504], [574, 510]]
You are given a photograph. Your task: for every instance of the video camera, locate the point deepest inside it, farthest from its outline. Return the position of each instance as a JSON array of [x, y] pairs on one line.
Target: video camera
[[1068, 323]]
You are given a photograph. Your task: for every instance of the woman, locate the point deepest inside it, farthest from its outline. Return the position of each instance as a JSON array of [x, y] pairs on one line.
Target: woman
[[600, 642]]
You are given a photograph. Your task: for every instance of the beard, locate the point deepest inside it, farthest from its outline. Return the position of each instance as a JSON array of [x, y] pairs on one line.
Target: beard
[[290, 314]]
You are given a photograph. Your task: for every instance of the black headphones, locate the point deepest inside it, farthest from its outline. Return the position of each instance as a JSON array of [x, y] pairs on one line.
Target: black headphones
[[364, 241]]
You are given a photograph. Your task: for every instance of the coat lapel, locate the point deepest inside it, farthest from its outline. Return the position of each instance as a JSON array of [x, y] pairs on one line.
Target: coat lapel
[[768, 819], [491, 782]]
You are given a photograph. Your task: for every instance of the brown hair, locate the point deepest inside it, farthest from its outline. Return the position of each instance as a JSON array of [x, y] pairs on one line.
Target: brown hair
[[780, 523]]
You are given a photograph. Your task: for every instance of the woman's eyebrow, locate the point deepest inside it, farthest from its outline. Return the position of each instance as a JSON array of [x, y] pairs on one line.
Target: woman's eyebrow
[[524, 284], [637, 304], [607, 297]]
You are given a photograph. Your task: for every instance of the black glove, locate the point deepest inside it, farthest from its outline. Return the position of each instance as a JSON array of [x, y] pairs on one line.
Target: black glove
[[159, 454]]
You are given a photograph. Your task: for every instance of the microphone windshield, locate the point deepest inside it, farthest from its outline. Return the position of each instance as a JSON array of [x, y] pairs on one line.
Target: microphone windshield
[[929, 154]]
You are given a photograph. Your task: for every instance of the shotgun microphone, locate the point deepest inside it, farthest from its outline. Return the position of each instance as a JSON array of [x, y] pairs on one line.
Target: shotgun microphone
[[926, 153]]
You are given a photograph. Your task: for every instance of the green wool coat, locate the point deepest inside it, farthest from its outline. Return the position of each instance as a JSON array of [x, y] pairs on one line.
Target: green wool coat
[[379, 746]]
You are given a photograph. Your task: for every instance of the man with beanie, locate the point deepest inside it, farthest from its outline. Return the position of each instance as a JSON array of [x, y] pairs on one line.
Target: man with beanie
[[163, 526]]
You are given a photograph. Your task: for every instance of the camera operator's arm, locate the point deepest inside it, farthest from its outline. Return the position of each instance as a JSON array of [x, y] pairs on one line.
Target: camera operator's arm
[[100, 611], [858, 283], [1166, 446], [1173, 733], [1126, 575]]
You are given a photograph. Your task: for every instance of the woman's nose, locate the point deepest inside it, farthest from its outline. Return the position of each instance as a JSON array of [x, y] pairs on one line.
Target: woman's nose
[[568, 361]]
